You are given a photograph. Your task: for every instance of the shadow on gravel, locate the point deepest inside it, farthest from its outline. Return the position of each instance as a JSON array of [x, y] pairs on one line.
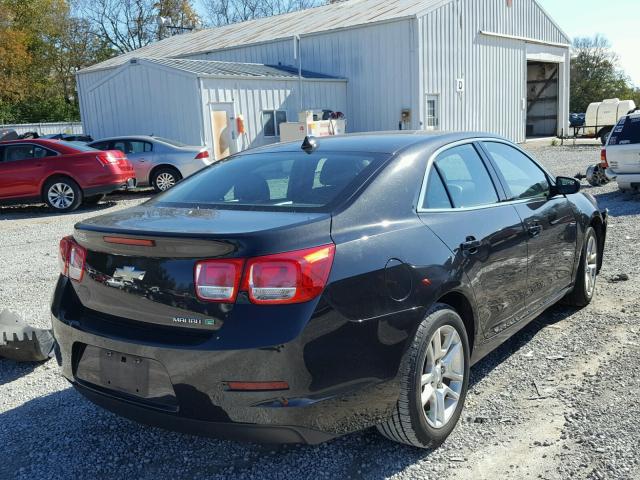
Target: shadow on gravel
[[553, 315], [10, 370], [62, 435], [620, 204]]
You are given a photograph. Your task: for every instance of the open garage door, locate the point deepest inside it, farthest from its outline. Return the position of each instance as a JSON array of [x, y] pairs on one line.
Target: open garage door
[[542, 99]]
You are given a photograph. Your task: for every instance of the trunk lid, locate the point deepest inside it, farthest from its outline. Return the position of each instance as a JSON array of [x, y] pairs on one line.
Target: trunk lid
[[154, 282]]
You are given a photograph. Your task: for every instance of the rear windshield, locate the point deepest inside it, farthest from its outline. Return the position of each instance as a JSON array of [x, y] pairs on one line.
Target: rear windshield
[[281, 181], [626, 132], [77, 145]]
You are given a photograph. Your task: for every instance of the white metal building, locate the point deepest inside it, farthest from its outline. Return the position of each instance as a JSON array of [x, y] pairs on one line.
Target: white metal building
[[493, 65]]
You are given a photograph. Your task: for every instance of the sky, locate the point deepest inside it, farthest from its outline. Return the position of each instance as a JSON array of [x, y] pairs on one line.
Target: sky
[[618, 20]]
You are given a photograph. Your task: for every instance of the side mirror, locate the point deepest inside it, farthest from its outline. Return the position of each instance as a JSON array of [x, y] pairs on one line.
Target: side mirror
[[565, 186]]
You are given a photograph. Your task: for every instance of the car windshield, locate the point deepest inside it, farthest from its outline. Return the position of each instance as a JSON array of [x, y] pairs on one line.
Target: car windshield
[[175, 143], [77, 145], [280, 181]]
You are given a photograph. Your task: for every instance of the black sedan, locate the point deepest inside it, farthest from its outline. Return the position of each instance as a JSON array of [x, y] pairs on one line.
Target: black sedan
[[295, 293]]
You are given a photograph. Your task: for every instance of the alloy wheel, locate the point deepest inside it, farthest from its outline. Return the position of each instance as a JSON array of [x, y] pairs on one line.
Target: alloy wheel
[[591, 266], [165, 181], [442, 376], [61, 195]]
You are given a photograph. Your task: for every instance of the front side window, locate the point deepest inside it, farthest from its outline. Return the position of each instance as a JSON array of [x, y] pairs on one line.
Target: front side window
[[281, 181], [524, 179], [271, 120], [465, 177], [122, 146]]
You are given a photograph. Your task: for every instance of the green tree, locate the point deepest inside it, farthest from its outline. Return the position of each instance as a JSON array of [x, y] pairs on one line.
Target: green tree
[[595, 73]]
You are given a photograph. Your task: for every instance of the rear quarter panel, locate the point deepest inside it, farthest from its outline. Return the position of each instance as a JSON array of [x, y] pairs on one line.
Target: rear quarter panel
[[83, 168], [389, 267]]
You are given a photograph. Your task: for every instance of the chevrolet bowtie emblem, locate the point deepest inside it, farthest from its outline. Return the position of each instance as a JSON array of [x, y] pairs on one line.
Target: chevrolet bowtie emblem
[[129, 274]]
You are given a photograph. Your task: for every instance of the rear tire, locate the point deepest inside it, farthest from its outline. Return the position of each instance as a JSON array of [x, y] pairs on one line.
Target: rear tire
[[604, 136], [433, 386], [164, 178], [62, 194], [585, 286]]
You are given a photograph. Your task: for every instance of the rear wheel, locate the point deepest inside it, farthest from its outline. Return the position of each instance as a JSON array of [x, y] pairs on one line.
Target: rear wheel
[[164, 178], [62, 194], [604, 136], [434, 377], [585, 285]]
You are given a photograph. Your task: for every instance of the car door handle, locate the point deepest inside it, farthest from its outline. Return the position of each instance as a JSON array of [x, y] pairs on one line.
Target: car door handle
[[535, 230], [471, 245]]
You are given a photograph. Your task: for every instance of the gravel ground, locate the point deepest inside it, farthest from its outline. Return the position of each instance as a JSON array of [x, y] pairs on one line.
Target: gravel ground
[[559, 400]]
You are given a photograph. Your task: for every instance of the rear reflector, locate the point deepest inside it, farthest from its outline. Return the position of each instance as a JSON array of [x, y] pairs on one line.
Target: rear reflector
[[72, 259], [292, 277], [257, 386], [140, 242], [203, 154], [218, 280]]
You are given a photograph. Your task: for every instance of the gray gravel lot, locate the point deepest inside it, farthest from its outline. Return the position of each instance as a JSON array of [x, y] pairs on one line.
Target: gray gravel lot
[[559, 400]]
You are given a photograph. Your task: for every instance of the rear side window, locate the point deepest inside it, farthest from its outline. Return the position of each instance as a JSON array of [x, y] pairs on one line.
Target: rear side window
[[523, 177], [466, 177], [435, 195], [626, 132], [282, 181]]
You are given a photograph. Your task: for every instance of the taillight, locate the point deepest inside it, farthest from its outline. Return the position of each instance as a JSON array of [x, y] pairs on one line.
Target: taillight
[[292, 277], [603, 158], [203, 154], [63, 256], [72, 259], [107, 158], [218, 280]]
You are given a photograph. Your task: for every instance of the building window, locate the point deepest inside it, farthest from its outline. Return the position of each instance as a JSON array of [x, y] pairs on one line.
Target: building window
[[271, 120], [433, 112]]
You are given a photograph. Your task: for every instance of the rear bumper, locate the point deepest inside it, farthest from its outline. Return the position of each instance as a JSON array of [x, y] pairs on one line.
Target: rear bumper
[[230, 431], [324, 399], [121, 184], [628, 180]]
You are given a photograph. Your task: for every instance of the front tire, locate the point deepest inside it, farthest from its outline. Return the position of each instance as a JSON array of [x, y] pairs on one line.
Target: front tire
[[164, 178], [434, 378], [62, 194], [585, 286]]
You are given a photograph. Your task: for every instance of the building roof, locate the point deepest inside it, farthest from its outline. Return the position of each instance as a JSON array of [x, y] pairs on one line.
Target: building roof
[[234, 69], [328, 17]]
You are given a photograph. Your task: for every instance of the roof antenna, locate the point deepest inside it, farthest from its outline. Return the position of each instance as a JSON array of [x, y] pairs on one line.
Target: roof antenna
[[309, 145]]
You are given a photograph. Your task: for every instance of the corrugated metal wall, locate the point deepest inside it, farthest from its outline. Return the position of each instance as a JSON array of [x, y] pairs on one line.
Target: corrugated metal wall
[[251, 97], [378, 60], [142, 99], [494, 69], [393, 65]]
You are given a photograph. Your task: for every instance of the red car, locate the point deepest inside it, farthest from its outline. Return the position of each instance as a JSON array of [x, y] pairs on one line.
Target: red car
[[62, 174]]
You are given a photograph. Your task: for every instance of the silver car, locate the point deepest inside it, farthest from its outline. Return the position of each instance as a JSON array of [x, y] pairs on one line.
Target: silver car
[[158, 161]]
